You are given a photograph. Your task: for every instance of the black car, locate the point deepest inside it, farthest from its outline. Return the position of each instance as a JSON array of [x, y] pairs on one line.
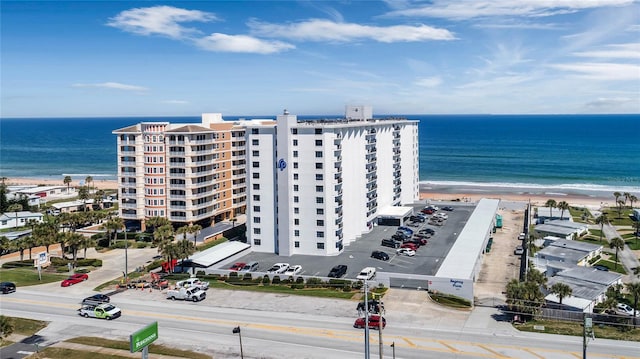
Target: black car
[[388, 242], [427, 231], [7, 287], [417, 219], [96, 298], [380, 255], [338, 271], [447, 208]]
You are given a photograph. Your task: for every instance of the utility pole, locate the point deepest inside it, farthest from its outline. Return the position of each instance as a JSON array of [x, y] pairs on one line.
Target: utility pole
[[393, 349], [126, 255], [236, 330], [366, 321], [380, 327]]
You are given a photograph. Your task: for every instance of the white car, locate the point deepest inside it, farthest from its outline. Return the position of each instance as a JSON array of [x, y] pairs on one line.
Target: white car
[[366, 273], [293, 270], [626, 309], [278, 268], [406, 251], [442, 215]]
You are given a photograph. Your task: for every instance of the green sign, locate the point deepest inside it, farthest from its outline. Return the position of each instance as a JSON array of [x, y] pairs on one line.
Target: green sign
[[143, 337]]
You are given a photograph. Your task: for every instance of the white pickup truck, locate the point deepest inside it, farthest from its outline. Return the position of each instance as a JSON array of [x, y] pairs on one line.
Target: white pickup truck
[[194, 294], [103, 311], [192, 282]]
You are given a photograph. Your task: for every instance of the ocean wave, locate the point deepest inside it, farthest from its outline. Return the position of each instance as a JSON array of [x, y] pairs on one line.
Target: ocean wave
[[551, 189], [87, 175]]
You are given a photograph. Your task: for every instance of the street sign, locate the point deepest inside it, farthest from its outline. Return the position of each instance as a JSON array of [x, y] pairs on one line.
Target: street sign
[[143, 337]]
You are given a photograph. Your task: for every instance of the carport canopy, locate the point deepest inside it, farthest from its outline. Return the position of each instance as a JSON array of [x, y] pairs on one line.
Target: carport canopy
[[218, 253], [394, 213]]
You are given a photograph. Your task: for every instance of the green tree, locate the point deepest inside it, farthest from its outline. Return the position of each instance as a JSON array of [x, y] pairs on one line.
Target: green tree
[[616, 243], [5, 245], [112, 226], [20, 244], [185, 249], [97, 197], [551, 204], [171, 251], [31, 242], [561, 290], [184, 230], [617, 195], [636, 227], [83, 194], [88, 181], [45, 234], [155, 222], [563, 206], [67, 180], [73, 241], [163, 236], [602, 219], [632, 198], [6, 326], [195, 230], [85, 244], [3, 196], [634, 290], [619, 206]]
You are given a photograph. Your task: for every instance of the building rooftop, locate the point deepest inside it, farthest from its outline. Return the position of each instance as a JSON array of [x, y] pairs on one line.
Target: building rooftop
[[590, 274], [548, 228], [569, 255], [580, 288], [575, 245], [567, 224]]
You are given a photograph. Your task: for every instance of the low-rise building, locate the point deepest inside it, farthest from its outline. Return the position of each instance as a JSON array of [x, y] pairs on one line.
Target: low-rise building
[[18, 219], [567, 251], [588, 285], [563, 229]]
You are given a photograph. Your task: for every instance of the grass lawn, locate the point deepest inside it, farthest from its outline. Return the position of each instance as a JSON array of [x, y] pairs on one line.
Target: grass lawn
[[285, 289], [611, 265], [24, 326], [619, 220], [596, 233], [124, 345], [578, 213], [64, 353], [23, 277], [633, 244], [575, 328]]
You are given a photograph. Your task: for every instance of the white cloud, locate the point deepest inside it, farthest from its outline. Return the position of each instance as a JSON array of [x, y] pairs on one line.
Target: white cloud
[[429, 82], [159, 20], [176, 102], [462, 10], [113, 85], [620, 51], [241, 43], [602, 71], [606, 104], [326, 30]]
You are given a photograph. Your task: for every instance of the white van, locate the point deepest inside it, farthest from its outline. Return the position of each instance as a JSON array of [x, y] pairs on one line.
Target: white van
[[366, 273]]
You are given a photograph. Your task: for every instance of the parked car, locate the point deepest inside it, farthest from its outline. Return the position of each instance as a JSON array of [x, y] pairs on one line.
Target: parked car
[[7, 287], [442, 215], [293, 270], [626, 309], [601, 267], [250, 267], [192, 282], [521, 236], [430, 231], [374, 322], [96, 298], [389, 242], [400, 236], [447, 208], [428, 211], [380, 255], [518, 251], [366, 273], [406, 251], [417, 219], [406, 230], [278, 268], [409, 245], [420, 239], [237, 266], [338, 271], [74, 279]]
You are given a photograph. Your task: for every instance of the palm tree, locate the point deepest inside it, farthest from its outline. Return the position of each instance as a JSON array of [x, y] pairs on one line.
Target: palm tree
[[16, 207], [620, 204], [185, 248], [20, 245], [97, 197], [163, 236], [171, 251], [31, 243], [184, 230], [636, 227], [73, 241], [83, 194], [155, 222], [551, 204], [561, 290], [563, 206], [5, 245], [86, 243], [67, 180], [88, 180], [626, 197], [112, 226], [602, 220], [634, 290], [194, 229], [616, 243], [617, 195], [632, 199]]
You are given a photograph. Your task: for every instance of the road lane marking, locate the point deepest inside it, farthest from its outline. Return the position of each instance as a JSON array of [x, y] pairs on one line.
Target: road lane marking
[[452, 348], [497, 354], [532, 353]]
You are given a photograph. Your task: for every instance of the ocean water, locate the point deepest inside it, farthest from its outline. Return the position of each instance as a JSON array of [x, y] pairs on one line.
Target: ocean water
[[554, 154]]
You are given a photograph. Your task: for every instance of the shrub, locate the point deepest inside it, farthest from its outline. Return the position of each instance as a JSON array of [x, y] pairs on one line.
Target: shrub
[[233, 277], [266, 280], [314, 282], [18, 264], [82, 270], [200, 273], [275, 280], [141, 244], [153, 265], [121, 244], [247, 277], [594, 259], [346, 287]]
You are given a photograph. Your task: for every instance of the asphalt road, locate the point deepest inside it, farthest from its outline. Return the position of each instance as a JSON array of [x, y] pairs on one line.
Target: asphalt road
[[273, 332]]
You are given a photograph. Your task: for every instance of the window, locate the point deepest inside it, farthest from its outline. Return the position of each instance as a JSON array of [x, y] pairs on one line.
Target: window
[[255, 131], [319, 210], [296, 199], [255, 164], [256, 219], [320, 245], [296, 210], [256, 197], [256, 241], [295, 165], [295, 188], [295, 142], [319, 199], [255, 153], [318, 154], [318, 165], [256, 186], [295, 176], [320, 234], [296, 233], [296, 221], [319, 223], [318, 131], [255, 142], [318, 142], [319, 189], [295, 153], [256, 175], [319, 176], [296, 244], [294, 131], [256, 208], [256, 231]]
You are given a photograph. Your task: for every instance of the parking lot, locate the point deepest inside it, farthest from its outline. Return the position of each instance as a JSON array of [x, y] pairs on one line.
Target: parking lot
[[357, 255]]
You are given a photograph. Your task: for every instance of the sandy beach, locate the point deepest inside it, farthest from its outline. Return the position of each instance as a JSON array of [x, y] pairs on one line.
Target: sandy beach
[[97, 183]]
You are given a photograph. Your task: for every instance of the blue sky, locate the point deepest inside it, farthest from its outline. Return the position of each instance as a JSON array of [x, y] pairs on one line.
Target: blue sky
[[121, 58]]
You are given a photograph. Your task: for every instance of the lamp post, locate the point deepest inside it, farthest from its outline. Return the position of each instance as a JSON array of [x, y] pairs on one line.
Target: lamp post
[[393, 349], [126, 255], [236, 330], [366, 321]]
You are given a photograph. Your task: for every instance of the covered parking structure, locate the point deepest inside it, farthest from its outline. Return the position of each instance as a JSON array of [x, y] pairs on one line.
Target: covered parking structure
[[394, 215], [215, 254], [460, 268]]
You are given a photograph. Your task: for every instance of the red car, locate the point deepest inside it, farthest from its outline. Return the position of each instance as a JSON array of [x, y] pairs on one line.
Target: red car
[[76, 278], [409, 245], [237, 266], [428, 211], [374, 322]]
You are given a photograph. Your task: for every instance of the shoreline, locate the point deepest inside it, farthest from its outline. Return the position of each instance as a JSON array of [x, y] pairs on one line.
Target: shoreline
[[427, 191]]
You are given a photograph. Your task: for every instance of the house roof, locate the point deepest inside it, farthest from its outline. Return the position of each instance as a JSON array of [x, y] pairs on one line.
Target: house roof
[[575, 245], [569, 255], [22, 214], [548, 228], [189, 128], [567, 224], [580, 288], [590, 274]]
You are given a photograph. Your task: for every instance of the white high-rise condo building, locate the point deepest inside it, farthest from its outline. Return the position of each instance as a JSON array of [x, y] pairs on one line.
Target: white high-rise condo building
[[186, 172], [314, 186]]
